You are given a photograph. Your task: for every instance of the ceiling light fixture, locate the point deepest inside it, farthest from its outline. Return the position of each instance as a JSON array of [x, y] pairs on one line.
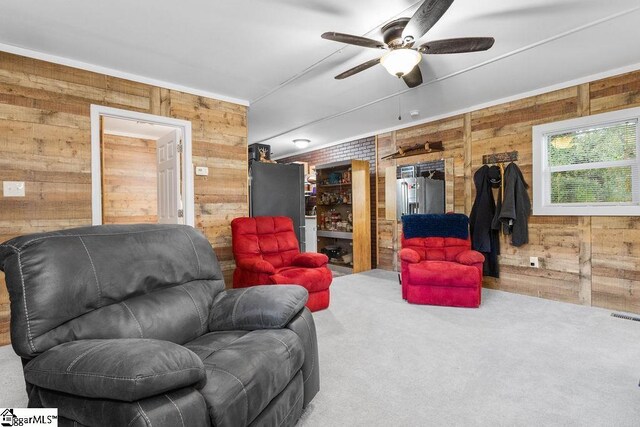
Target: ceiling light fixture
[[400, 62], [301, 143], [562, 142]]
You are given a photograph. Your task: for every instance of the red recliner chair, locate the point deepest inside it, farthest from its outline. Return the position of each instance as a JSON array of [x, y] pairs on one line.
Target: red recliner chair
[[439, 267], [266, 252]]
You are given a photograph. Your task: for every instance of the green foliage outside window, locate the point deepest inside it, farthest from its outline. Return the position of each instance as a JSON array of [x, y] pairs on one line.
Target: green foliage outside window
[[613, 183], [605, 185]]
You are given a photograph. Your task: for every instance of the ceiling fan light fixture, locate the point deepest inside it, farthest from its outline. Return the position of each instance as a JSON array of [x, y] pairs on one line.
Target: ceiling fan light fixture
[[301, 143], [399, 62]]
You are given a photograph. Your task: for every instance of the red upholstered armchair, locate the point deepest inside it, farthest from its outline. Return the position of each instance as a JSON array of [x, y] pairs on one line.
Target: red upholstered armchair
[[437, 269], [266, 253]]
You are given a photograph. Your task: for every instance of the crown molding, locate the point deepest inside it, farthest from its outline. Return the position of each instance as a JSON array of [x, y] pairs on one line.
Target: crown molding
[[29, 53], [536, 92]]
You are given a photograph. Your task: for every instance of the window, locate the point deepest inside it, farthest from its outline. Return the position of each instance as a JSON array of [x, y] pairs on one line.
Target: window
[[588, 166]]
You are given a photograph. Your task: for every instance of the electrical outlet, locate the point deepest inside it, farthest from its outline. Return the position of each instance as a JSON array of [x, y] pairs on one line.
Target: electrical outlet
[[202, 171], [534, 262], [13, 189]]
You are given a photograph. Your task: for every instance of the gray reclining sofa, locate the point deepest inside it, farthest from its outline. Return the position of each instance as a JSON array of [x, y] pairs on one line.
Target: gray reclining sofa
[[131, 326]]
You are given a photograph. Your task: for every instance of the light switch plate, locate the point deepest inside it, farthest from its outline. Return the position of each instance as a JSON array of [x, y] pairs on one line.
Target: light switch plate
[[13, 188], [202, 171]]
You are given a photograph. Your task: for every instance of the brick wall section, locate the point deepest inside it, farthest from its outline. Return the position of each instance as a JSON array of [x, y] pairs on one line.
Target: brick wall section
[[360, 149]]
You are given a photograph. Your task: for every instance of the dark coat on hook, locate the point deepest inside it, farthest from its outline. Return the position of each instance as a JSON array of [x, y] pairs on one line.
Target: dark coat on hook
[[484, 238], [516, 206]]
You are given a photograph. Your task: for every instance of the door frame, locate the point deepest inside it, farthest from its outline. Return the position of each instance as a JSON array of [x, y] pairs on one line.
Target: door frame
[[98, 111]]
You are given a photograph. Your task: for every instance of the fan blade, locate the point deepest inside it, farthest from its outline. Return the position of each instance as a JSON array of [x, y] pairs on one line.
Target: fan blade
[[414, 78], [356, 70], [425, 17], [355, 40], [462, 45]]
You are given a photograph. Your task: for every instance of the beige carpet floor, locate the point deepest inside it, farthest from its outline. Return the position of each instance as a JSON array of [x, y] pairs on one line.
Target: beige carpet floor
[[515, 361]]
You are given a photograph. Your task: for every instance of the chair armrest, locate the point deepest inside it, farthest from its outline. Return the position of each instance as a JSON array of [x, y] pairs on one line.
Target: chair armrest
[[310, 259], [409, 255], [256, 265], [119, 369], [469, 257], [257, 307]]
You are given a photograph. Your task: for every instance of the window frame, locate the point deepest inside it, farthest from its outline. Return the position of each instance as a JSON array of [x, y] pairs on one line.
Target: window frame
[[542, 171]]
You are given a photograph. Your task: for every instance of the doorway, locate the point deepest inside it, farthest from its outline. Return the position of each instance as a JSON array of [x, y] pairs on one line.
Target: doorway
[[141, 168]]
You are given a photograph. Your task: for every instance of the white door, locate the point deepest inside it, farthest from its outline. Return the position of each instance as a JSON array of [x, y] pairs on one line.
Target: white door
[[169, 194], [311, 235]]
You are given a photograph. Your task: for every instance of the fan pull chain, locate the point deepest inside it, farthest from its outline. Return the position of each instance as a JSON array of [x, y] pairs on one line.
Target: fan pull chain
[[400, 101]]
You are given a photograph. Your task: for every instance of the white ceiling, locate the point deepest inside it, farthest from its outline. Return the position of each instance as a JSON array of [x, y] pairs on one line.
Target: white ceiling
[[270, 54], [134, 128]]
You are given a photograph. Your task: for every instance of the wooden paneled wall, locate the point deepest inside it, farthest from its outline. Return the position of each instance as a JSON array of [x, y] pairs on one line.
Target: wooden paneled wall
[[451, 132], [45, 141], [129, 180], [584, 260]]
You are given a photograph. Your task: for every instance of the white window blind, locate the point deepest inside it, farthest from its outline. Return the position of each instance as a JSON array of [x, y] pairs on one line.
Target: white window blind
[[588, 166]]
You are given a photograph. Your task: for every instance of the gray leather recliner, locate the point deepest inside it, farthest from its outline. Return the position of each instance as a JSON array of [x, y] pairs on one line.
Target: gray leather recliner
[[130, 325]]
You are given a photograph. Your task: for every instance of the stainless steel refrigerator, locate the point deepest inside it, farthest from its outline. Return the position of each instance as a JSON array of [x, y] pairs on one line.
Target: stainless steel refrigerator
[[420, 196], [278, 190]]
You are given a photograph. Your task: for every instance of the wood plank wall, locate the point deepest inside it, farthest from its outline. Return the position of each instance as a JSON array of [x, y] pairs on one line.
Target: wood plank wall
[[585, 260], [45, 141], [130, 180]]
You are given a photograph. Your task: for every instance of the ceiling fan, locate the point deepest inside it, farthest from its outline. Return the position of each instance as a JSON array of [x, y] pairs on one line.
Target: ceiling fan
[[401, 58]]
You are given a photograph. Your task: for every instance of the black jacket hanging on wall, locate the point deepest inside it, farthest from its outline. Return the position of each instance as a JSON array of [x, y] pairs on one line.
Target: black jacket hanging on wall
[[516, 206], [483, 237]]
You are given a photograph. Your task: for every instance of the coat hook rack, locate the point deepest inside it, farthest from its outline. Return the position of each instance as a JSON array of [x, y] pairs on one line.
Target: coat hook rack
[[508, 156]]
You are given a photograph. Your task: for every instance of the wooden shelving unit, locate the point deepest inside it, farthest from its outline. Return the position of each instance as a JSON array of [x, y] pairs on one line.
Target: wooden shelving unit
[[343, 213]]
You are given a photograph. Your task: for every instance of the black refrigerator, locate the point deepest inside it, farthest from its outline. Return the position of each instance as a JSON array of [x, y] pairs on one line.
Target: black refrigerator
[[278, 190]]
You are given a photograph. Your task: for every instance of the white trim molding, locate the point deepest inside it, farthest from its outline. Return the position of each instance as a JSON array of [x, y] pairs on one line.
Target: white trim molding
[[184, 126], [29, 53], [523, 95], [542, 171]]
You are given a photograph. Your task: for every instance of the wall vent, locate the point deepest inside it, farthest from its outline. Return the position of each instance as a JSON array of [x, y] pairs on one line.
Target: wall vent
[[625, 316]]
